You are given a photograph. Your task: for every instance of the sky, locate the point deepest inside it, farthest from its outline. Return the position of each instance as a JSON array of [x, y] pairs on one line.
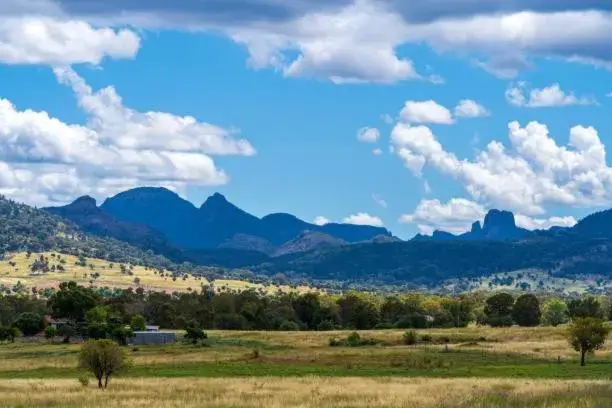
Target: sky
[[414, 116]]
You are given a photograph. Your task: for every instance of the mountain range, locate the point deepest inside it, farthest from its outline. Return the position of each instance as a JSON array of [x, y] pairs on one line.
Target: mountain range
[[160, 220]]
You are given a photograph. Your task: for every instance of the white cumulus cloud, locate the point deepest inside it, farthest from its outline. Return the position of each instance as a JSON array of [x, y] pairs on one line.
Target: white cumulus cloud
[[551, 96], [48, 161], [468, 108], [363, 219], [426, 112], [49, 41], [368, 135], [320, 220]]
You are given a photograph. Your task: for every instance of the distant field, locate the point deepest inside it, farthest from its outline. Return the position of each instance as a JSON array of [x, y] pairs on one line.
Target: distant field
[[457, 368], [148, 279]]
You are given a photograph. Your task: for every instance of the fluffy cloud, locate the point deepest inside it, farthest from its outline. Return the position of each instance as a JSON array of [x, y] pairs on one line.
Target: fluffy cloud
[[550, 96], [43, 40], [368, 135], [426, 112], [457, 215], [342, 41], [544, 223], [320, 220], [363, 219], [377, 152], [48, 161], [468, 108], [533, 173]]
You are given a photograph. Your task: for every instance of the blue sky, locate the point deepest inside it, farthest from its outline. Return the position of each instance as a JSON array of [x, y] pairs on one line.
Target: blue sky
[[265, 106]]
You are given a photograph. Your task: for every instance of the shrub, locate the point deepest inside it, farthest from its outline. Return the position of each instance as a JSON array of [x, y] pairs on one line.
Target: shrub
[[103, 358], [426, 338], [353, 340], [289, 325], [193, 333], [84, 380], [326, 325], [384, 326], [410, 337], [50, 332], [138, 323]]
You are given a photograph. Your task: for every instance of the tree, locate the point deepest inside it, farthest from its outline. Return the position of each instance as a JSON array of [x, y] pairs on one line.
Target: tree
[[193, 333], [50, 332], [587, 334], [29, 323], [138, 323], [498, 310], [555, 312], [72, 301], [9, 333], [103, 358], [526, 310], [586, 307]]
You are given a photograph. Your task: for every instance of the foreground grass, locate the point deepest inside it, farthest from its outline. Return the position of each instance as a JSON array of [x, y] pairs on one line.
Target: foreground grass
[[310, 392], [465, 353]]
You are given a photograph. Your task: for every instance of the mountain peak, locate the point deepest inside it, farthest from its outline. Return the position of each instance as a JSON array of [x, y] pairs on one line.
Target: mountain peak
[[498, 220], [84, 202]]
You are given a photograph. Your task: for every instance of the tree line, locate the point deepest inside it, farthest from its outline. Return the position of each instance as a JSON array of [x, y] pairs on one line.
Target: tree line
[[91, 312]]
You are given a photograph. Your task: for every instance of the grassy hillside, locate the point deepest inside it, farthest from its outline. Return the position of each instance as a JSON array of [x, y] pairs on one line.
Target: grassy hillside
[[17, 267]]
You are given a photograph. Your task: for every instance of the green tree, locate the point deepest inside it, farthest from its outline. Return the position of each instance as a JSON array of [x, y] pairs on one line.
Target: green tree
[[9, 333], [29, 323], [103, 358], [498, 309], [194, 333], [586, 307], [138, 323], [587, 334], [555, 312], [50, 332], [526, 310], [72, 301]]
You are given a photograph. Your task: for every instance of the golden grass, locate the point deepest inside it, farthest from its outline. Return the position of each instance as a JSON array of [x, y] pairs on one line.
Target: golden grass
[[306, 392], [111, 277]]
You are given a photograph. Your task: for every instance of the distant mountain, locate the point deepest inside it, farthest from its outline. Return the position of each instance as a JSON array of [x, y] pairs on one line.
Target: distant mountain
[[84, 213], [160, 216], [498, 226]]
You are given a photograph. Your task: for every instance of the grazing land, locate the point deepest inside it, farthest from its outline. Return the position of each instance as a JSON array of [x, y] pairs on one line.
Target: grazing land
[[17, 268], [475, 366]]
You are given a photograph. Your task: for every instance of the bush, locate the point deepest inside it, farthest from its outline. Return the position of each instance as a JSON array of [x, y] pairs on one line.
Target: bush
[[194, 333], [9, 333], [103, 358], [289, 325], [84, 380], [353, 340], [384, 326], [50, 332], [138, 323], [426, 338], [410, 338], [326, 325]]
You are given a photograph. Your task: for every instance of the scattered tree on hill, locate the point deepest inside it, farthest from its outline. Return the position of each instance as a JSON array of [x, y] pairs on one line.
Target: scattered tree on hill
[[498, 309], [103, 358], [526, 310], [555, 312], [587, 334]]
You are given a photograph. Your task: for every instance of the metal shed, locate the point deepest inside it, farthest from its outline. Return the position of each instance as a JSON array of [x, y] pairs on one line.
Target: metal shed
[[144, 338]]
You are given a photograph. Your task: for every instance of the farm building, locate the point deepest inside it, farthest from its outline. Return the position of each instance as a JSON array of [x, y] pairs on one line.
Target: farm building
[[144, 338]]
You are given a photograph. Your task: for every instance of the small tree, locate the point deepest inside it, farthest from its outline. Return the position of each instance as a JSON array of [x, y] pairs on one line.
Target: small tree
[[587, 334], [555, 312], [587, 307], [498, 310], [9, 333], [50, 332], [193, 333], [526, 310], [138, 323], [103, 358]]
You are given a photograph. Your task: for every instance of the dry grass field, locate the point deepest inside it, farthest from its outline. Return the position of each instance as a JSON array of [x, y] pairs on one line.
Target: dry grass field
[[457, 368], [109, 277], [310, 392]]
